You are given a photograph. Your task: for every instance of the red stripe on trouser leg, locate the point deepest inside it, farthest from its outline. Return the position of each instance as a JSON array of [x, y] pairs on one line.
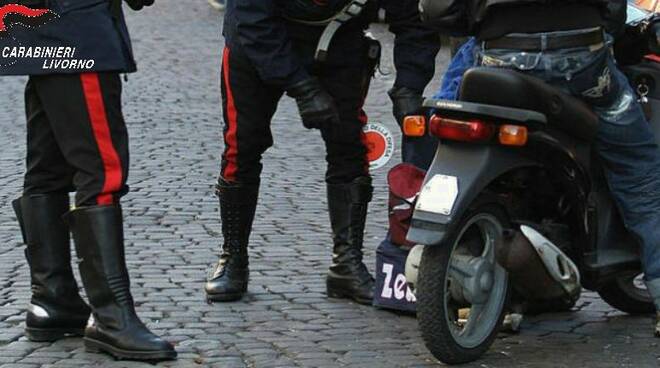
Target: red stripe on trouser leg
[[112, 169], [231, 142], [364, 119]]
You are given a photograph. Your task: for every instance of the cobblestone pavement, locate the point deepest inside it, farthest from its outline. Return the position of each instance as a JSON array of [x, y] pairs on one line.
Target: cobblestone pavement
[[172, 230]]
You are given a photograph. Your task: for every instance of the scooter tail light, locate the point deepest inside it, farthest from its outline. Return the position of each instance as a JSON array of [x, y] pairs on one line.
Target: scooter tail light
[[461, 130], [414, 126]]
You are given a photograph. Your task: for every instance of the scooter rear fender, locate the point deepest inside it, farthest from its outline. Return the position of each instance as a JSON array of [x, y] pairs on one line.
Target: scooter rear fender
[[475, 167]]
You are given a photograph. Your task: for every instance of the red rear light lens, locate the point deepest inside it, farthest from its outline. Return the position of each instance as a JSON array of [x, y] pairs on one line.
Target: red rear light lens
[[461, 130]]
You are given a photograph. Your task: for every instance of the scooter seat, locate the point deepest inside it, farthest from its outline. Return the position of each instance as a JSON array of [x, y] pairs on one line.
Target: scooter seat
[[509, 88]]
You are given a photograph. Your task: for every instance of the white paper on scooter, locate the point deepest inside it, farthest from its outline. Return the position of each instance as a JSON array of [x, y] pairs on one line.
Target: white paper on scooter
[[438, 195]]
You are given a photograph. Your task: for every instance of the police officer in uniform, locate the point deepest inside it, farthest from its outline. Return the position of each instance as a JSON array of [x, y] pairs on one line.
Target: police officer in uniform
[[316, 52], [568, 44], [77, 141]]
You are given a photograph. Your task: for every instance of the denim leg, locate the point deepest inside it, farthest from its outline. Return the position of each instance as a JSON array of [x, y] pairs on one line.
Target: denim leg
[[631, 160], [653, 287]]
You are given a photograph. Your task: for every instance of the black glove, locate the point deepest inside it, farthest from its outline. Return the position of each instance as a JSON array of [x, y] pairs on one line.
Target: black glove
[[316, 106], [139, 4], [405, 101]]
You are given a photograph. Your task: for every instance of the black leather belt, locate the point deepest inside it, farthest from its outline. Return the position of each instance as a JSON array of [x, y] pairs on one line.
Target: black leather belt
[[553, 42]]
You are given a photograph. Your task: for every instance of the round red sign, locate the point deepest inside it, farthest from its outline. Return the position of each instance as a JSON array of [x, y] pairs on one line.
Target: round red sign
[[380, 145]]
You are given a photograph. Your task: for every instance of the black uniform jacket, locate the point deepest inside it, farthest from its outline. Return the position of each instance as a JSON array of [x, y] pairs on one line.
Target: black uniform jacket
[[263, 29], [63, 36]]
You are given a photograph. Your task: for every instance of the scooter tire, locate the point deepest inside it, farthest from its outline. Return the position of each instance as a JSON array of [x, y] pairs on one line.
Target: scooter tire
[[614, 294], [431, 294]]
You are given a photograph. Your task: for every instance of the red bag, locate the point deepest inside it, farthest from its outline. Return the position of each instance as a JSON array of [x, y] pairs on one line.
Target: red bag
[[405, 181]]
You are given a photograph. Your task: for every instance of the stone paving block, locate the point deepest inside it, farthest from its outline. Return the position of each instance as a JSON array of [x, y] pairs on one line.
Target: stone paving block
[[7, 359]]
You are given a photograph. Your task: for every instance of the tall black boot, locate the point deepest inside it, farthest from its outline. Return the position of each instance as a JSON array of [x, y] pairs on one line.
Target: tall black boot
[[348, 277], [229, 279], [56, 308], [99, 237]]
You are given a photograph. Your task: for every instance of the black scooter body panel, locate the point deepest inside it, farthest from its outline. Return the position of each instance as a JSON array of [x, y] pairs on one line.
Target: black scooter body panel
[[476, 166]]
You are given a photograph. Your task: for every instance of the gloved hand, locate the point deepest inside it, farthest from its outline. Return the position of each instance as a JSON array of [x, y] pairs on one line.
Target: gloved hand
[[139, 4], [405, 101], [316, 106]]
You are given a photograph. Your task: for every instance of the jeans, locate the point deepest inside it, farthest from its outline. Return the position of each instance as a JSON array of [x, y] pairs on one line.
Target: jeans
[[625, 142], [460, 63]]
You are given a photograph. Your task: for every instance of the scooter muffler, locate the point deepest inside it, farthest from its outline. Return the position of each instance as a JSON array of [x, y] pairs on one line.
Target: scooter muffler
[[538, 269]]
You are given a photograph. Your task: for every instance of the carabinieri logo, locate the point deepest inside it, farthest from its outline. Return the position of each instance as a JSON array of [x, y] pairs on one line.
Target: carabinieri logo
[[19, 48], [11, 14]]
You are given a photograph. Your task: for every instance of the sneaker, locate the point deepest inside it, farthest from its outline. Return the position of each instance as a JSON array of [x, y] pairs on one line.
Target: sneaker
[[217, 4]]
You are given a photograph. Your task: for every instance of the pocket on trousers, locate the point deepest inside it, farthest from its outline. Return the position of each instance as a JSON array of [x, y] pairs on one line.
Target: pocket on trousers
[[597, 83]]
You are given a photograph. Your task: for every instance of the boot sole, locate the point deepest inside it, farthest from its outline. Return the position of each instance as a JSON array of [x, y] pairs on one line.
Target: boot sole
[[229, 297], [95, 346], [341, 295], [52, 334]]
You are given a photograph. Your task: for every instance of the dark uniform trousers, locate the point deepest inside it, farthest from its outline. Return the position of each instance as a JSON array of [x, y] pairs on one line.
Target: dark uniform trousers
[[77, 138], [249, 105]]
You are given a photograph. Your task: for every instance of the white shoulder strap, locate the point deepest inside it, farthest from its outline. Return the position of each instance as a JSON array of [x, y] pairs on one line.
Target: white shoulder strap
[[352, 10]]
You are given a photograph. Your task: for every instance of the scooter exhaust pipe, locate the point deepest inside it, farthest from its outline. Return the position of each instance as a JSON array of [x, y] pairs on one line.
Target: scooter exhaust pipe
[[538, 269], [412, 266]]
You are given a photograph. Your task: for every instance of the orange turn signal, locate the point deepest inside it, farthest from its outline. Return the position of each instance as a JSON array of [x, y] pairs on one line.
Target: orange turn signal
[[414, 126], [513, 135]]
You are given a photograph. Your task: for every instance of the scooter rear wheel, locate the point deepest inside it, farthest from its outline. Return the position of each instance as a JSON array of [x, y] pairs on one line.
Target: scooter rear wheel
[[627, 294], [462, 292]]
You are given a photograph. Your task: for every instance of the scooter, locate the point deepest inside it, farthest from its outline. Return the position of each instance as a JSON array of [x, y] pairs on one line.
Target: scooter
[[515, 207]]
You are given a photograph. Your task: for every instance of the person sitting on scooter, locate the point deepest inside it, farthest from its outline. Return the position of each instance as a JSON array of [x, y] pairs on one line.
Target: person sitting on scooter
[[545, 38]]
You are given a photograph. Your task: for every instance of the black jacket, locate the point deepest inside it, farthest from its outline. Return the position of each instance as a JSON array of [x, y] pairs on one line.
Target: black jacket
[[95, 29], [478, 9], [263, 30], [490, 18]]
